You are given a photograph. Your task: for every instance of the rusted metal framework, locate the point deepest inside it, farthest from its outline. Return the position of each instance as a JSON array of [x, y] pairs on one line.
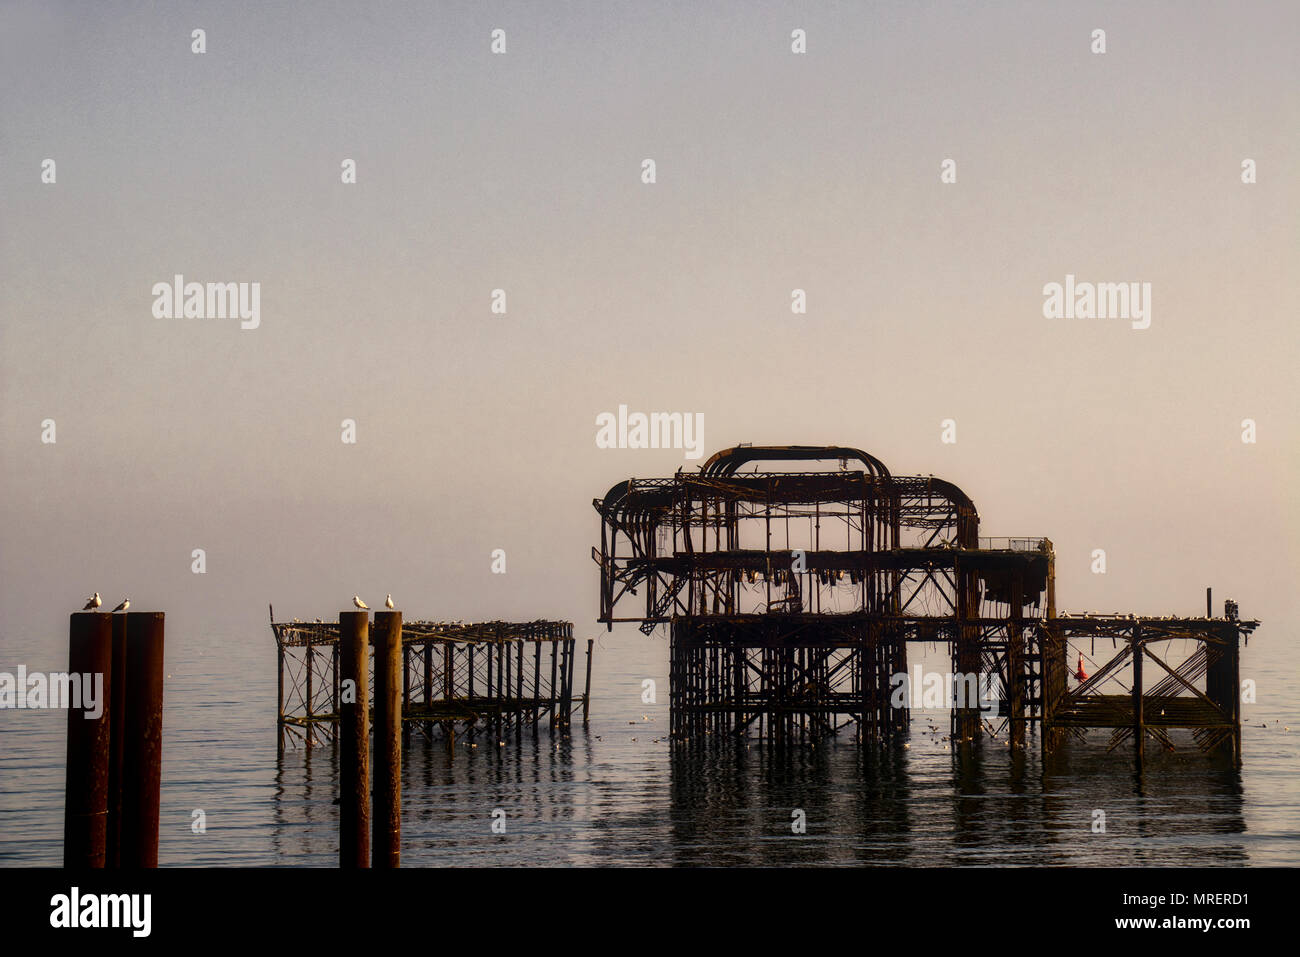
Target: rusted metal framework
[[1163, 674], [491, 676], [792, 578]]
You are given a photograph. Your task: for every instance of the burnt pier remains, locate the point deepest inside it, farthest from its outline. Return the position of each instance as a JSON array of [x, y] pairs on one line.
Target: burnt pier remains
[[792, 578], [490, 676]]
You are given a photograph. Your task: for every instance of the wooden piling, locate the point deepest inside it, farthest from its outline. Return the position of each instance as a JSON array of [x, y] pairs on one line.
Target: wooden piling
[[386, 847], [85, 808], [354, 740], [142, 745], [116, 741]]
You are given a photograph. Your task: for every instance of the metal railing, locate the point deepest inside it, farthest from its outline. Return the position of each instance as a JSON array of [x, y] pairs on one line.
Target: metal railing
[[1012, 544]]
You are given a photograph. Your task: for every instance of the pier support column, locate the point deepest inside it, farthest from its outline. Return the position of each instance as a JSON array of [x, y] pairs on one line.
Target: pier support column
[[311, 691], [1223, 683], [1139, 723], [85, 808], [1016, 664], [279, 698], [354, 739], [386, 846], [116, 742], [1052, 668], [966, 657], [586, 693], [142, 741]]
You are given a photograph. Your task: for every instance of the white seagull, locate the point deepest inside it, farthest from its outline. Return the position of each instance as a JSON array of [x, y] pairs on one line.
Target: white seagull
[[94, 601], [388, 602], [356, 600], [126, 603]]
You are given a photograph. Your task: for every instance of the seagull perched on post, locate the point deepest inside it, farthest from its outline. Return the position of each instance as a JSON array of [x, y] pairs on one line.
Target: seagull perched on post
[[356, 600], [126, 603], [94, 601], [388, 602]]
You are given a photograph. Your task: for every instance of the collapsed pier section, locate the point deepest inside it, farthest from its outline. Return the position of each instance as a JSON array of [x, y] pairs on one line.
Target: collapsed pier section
[[478, 676]]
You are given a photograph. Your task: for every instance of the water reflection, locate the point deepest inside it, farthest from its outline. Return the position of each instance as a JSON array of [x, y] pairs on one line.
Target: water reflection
[[578, 799]]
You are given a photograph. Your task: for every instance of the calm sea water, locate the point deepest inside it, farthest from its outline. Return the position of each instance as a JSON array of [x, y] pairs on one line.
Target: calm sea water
[[619, 793]]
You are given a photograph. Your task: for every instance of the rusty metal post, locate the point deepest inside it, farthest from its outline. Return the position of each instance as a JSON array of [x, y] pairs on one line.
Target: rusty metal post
[[449, 693], [279, 696], [586, 693], [570, 659], [311, 728], [1016, 723], [85, 809], [142, 745], [551, 694], [488, 692], [507, 686], [537, 682], [406, 689], [427, 654], [386, 846], [334, 700], [1234, 649], [116, 740], [354, 739], [1139, 723], [518, 710]]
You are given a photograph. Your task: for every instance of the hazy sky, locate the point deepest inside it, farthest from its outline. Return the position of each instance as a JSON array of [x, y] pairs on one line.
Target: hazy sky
[[522, 171]]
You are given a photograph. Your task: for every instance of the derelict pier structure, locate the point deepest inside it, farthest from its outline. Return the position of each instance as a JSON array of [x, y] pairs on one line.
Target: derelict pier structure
[[793, 577], [478, 676]]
